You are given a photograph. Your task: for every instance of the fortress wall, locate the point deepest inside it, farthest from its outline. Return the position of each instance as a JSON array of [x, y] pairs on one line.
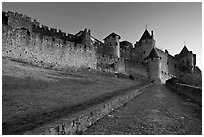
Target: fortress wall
[[107, 63], [164, 59], [135, 68], [172, 65], [121, 66], [135, 54], [49, 52], [167, 66], [19, 21], [45, 51]]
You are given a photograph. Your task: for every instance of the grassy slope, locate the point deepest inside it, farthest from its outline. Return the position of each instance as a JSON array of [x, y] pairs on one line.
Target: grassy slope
[[29, 92]]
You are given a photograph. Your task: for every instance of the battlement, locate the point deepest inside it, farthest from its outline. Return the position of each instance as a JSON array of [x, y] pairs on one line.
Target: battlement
[[18, 16], [18, 21], [82, 49], [53, 32]]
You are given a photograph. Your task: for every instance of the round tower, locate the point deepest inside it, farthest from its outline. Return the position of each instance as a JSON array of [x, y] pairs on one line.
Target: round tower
[[117, 46], [154, 66], [112, 42]]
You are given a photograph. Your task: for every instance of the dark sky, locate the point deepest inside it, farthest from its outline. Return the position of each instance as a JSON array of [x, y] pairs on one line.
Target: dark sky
[[172, 23]]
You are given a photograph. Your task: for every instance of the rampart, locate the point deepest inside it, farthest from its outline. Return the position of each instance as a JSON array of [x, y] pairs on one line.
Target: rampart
[[45, 51], [136, 69], [17, 20], [26, 41]]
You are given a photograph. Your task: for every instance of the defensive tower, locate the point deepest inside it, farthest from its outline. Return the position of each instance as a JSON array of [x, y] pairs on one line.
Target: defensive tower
[[112, 44], [186, 60], [145, 44], [154, 66]]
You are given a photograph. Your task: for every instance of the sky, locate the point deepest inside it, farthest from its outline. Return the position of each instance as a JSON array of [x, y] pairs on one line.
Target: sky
[[174, 23]]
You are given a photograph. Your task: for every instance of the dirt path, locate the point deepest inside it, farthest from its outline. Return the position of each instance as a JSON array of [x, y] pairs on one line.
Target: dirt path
[[156, 111]]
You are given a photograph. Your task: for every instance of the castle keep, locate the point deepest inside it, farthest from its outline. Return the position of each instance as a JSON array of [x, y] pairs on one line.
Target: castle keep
[[26, 40]]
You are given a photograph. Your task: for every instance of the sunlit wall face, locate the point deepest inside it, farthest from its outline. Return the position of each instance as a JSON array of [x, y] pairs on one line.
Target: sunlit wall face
[[173, 23]]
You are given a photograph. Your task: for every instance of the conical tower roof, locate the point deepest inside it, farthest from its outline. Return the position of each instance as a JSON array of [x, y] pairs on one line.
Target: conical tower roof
[[153, 54], [184, 51], [146, 35]]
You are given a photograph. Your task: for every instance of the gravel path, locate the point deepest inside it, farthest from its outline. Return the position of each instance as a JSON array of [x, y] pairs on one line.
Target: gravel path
[[157, 111]]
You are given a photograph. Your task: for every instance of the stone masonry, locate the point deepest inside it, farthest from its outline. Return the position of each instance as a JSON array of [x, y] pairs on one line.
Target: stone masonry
[[25, 40]]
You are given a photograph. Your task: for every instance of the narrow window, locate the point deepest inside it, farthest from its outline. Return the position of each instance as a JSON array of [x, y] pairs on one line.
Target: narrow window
[[144, 52]]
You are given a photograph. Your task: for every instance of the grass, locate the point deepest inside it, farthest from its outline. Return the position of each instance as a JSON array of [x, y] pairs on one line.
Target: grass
[[32, 96]]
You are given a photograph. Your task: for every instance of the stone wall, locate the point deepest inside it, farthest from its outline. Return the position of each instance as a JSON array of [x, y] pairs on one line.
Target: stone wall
[[44, 50], [136, 68], [81, 121], [164, 67], [168, 65], [195, 93], [107, 63], [17, 20], [53, 52], [172, 65], [27, 41]]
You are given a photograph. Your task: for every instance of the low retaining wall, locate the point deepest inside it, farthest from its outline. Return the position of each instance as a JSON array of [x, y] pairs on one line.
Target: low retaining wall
[[195, 93], [81, 121]]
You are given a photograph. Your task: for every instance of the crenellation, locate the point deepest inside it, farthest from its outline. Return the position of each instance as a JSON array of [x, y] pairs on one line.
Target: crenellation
[[10, 13], [54, 30], [26, 40], [45, 28]]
